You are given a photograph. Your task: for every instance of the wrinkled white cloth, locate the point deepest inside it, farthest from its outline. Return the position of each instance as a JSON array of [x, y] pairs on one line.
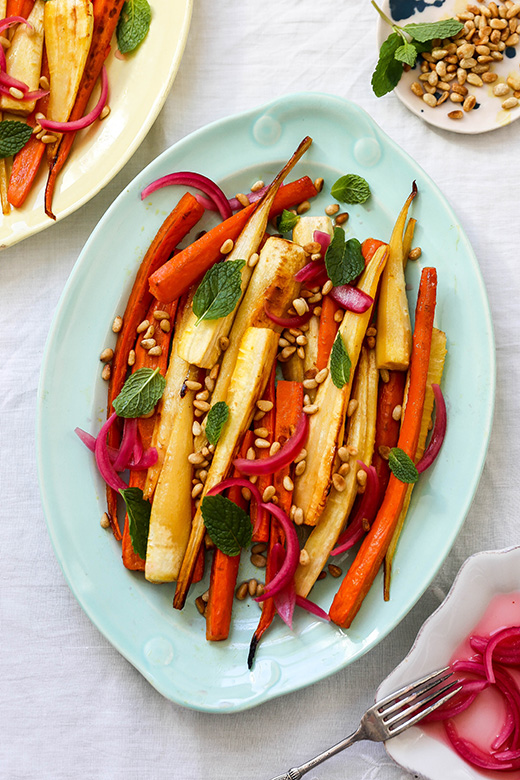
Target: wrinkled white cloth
[[71, 706]]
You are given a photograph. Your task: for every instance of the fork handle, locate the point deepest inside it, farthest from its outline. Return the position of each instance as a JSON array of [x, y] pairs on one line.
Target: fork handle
[[296, 773]]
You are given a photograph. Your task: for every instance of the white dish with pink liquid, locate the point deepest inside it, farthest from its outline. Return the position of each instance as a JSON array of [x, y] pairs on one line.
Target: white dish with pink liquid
[[484, 597]]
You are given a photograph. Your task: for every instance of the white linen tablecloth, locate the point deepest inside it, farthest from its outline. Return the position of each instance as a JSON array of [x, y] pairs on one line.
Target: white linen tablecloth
[[71, 706]]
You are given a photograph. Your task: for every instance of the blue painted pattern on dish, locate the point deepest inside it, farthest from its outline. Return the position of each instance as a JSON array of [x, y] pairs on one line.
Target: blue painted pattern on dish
[[404, 9]]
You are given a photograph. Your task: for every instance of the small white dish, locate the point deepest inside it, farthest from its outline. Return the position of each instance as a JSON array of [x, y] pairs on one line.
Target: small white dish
[[489, 114], [481, 578]]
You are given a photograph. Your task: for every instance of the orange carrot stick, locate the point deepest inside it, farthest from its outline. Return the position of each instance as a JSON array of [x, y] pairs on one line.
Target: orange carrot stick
[[361, 574], [192, 263], [146, 425], [19, 8], [387, 429], [369, 248], [27, 162], [224, 572], [262, 532], [327, 331], [106, 15], [183, 217], [289, 402]]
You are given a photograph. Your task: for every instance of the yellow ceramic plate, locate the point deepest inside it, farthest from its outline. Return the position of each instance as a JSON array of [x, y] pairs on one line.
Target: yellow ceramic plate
[[139, 86]]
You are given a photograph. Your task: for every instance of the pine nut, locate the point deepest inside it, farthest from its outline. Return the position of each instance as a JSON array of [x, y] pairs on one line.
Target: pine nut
[[301, 353], [148, 343], [300, 305], [191, 385], [301, 456], [143, 326], [262, 444], [338, 482], [510, 103], [288, 483], [257, 185], [209, 384], [263, 433], [343, 454], [160, 314], [203, 395], [242, 199], [322, 375], [384, 451], [105, 521], [131, 357], [258, 560], [197, 490], [201, 606], [196, 458], [223, 343], [342, 218], [469, 103], [150, 332], [310, 409], [165, 326], [344, 469], [264, 406], [275, 447], [155, 351], [267, 495], [475, 80], [196, 428], [305, 558], [352, 406], [241, 591], [105, 374], [260, 589], [310, 384], [334, 570], [318, 183], [251, 454], [332, 209], [303, 207], [514, 81], [227, 246], [300, 468], [456, 114], [322, 575], [500, 90], [202, 405], [213, 374], [338, 316], [105, 111], [117, 324], [298, 516], [385, 375], [361, 477], [16, 93], [253, 260], [107, 355], [301, 340]]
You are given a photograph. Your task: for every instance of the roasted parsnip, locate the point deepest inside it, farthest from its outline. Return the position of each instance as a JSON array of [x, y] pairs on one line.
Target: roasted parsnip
[[394, 332], [24, 59], [303, 232], [255, 358], [170, 518], [200, 344], [435, 369], [326, 425], [360, 439], [272, 283], [68, 28]]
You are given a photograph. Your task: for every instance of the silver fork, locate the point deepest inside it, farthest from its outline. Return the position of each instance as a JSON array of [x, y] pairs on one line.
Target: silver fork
[[390, 716]]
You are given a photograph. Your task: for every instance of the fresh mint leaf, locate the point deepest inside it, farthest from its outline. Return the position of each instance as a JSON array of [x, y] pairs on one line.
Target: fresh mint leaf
[[340, 363], [351, 189], [220, 290], [353, 261], [217, 418], [334, 257], [402, 466], [427, 31], [406, 53], [13, 137], [140, 393], [388, 70], [287, 220], [133, 24], [138, 511], [227, 524]]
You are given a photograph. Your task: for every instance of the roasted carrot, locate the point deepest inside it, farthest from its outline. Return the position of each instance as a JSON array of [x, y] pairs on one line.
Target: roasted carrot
[[200, 563], [146, 424], [289, 402], [183, 217], [387, 429], [192, 263], [19, 8], [27, 162], [369, 248], [224, 571], [106, 15], [262, 532], [327, 331], [362, 572]]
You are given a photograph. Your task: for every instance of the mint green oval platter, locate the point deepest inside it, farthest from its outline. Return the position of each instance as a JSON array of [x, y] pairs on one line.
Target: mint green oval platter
[[168, 647]]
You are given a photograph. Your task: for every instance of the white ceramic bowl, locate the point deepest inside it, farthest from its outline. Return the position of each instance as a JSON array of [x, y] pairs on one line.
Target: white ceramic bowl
[[481, 577]]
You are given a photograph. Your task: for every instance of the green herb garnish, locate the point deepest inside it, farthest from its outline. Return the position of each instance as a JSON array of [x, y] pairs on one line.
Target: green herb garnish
[[138, 519], [402, 47], [13, 137], [402, 466], [351, 189], [287, 220], [227, 524], [217, 418], [340, 363], [140, 393], [133, 24], [219, 292]]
